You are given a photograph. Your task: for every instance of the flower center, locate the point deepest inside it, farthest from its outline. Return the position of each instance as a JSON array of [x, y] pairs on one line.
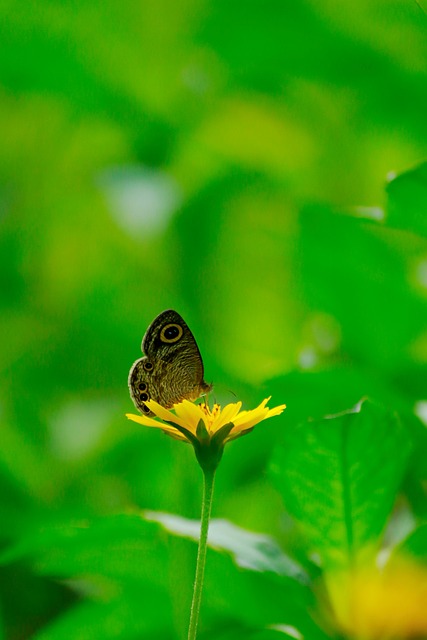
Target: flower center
[[210, 414]]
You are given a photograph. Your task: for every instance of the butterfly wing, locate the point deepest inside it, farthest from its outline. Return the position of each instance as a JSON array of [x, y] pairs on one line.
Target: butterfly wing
[[172, 368]]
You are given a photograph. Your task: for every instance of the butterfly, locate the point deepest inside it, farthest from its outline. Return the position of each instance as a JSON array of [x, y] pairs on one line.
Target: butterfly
[[172, 367]]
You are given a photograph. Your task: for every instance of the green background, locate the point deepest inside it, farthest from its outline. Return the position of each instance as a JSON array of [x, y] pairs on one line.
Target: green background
[[236, 162]]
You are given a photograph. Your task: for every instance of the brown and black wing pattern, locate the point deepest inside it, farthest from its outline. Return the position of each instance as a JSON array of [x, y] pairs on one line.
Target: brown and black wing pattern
[[172, 368]]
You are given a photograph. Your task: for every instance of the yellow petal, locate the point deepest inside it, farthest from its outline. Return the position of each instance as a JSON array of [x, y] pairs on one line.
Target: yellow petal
[[261, 412], [276, 411], [257, 414], [145, 420], [187, 415], [190, 414], [149, 422], [247, 424], [228, 414], [248, 419], [177, 435], [165, 414]]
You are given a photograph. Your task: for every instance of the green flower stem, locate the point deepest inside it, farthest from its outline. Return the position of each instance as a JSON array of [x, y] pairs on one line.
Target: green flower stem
[[208, 486]]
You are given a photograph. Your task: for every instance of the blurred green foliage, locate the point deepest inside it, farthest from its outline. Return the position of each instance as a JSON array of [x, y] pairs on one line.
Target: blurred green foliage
[[229, 161]]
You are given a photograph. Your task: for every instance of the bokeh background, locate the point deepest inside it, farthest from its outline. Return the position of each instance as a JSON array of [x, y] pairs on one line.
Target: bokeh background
[[227, 160]]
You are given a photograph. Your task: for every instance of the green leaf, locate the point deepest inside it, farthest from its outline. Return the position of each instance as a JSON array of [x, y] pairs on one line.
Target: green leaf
[[123, 546], [277, 632], [354, 274], [314, 394], [265, 575], [135, 614], [415, 544], [339, 477], [255, 551], [255, 599], [126, 568], [273, 632], [407, 200]]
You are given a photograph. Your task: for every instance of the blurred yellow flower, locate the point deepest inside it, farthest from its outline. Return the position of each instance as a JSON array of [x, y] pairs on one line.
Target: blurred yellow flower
[[385, 604], [208, 430]]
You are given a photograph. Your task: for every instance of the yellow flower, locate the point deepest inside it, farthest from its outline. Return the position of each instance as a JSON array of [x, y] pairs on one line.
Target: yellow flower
[[208, 430], [376, 604]]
